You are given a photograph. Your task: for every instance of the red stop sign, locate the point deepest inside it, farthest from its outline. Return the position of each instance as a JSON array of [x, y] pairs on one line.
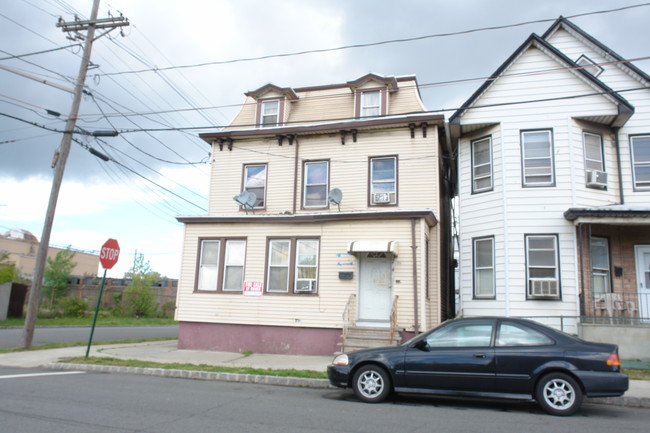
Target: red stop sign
[[109, 254]]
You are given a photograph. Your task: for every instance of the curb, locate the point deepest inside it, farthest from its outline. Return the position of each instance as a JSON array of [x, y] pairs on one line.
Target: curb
[[639, 402], [197, 375]]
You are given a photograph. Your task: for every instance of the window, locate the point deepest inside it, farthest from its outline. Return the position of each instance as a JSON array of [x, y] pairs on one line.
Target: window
[[641, 161], [537, 158], [209, 265], [482, 165], [255, 182], [370, 104], [292, 263], [269, 112], [306, 265], [476, 333], [383, 181], [221, 265], [484, 286], [542, 267], [278, 274], [511, 334], [233, 278], [600, 266], [316, 184], [589, 65], [594, 159]]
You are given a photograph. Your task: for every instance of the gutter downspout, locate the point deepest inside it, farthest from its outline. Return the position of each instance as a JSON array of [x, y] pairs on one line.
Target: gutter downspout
[[295, 178], [618, 162], [415, 278]]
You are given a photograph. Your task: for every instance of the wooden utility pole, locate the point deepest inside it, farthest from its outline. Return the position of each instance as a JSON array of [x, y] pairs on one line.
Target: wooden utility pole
[[63, 152]]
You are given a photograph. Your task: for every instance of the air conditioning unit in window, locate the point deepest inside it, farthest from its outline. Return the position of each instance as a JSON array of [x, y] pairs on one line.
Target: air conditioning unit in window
[[306, 286], [383, 197], [543, 289], [597, 179]]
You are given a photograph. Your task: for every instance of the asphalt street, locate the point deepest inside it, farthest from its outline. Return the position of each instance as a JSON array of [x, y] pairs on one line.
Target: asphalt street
[[40, 401], [13, 337]]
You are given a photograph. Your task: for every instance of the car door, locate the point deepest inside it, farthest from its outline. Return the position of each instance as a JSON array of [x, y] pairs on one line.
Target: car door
[[457, 357], [520, 351]]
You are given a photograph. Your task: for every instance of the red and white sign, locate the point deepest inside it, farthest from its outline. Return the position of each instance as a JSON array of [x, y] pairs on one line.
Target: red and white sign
[[253, 288], [109, 254]]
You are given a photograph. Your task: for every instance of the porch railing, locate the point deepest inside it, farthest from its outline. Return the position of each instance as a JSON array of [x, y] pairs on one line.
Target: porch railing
[[393, 318], [349, 315], [623, 308]]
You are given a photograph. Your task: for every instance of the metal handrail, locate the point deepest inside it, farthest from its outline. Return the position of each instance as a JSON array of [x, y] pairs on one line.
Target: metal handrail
[[348, 318], [393, 318]]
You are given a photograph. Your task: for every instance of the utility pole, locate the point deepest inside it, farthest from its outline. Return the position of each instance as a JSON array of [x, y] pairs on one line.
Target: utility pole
[[64, 150]]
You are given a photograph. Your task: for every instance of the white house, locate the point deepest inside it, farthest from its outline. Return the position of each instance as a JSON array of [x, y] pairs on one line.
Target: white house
[[554, 184]]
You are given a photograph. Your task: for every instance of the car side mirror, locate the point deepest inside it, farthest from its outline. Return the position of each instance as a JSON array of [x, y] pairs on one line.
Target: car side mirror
[[422, 345]]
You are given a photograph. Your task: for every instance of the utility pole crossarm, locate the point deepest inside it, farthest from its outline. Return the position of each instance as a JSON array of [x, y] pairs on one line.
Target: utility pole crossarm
[[102, 23]]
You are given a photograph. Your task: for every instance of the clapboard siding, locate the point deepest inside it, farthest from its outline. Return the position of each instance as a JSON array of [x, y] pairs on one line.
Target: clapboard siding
[[324, 310], [515, 102]]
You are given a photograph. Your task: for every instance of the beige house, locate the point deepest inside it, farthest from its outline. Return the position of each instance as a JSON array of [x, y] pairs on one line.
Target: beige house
[[327, 220], [22, 246]]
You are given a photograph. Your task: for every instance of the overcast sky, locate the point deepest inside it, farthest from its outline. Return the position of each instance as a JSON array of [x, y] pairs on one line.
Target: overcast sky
[[161, 174]]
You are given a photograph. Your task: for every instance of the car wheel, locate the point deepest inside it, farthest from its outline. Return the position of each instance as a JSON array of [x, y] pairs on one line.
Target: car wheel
[[559, 394], [371, 384]]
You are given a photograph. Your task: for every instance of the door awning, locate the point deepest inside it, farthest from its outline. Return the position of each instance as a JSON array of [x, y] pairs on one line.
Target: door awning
[[372, 246]]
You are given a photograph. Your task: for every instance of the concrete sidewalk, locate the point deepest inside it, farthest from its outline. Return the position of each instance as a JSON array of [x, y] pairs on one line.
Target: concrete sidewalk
[[166, 352]]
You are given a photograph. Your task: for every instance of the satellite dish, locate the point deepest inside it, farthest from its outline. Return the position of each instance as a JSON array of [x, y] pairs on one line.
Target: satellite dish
[[245, 199], [335, 196]]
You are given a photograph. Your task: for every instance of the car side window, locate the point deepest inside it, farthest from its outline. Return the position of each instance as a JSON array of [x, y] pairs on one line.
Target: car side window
[[473, 334], [511, 334]]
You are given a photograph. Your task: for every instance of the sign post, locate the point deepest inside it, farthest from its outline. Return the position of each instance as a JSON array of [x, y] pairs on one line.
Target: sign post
[[108, 256]]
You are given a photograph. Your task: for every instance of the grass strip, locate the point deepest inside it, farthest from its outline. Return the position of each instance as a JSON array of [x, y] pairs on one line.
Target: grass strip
[[88, 320], [84, 343], [307, 374], [636, 373]]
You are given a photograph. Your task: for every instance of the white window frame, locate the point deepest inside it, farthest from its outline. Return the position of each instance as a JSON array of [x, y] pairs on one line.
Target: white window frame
[[529, 171], [482, 268], [321, 186], [476, 178], [599, 272], [375, 184], [589, 65], [590, 162], [299, 281], [543, 287], [232, 262], [260, 202], [265, 106], [294, 279], [208, 274], [640, 185], [369, 108], [272, 265]]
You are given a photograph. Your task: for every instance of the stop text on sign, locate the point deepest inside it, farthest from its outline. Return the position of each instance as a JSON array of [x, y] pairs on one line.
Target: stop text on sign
[[110, 254]]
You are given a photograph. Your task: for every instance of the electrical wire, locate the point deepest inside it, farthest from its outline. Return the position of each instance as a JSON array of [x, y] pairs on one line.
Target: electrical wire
[[372, 44]]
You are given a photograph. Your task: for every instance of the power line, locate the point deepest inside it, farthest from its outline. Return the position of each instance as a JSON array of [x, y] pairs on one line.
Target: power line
[[370, 44]]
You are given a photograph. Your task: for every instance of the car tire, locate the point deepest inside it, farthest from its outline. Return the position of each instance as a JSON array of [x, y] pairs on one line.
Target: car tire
[[372, 384], [559, 394]]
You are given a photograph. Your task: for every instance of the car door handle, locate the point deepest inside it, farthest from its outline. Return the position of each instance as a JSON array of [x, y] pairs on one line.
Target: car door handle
[[479, 355]]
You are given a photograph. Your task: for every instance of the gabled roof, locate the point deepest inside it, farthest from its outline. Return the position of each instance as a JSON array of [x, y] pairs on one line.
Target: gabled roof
[[578, 33], [625, 109], [288, 92]]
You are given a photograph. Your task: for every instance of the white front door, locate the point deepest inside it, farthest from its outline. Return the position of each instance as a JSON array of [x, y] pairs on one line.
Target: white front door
[[375, 288], [643, 278]]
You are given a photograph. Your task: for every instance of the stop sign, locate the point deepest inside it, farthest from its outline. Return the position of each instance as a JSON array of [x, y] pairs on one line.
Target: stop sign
[[109, 253]]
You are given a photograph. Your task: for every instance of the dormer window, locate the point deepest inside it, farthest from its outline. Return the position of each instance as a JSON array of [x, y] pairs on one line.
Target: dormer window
[[370, 103], [589, 65], [269, 112]]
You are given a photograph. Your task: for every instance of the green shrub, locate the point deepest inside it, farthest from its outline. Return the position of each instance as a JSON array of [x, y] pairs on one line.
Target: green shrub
[[72, 307]]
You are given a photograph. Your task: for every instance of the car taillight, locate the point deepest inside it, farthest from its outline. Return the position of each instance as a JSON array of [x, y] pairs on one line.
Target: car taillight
[[614, 360]]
